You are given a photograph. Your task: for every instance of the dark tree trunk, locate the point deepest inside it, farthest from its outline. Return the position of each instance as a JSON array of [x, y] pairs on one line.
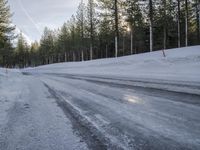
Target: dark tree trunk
[[179, 32], [151, 24], [116, 28], [186, 22]]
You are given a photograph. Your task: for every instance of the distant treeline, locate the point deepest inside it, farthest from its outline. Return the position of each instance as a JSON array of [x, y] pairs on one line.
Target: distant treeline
[[105, 28]]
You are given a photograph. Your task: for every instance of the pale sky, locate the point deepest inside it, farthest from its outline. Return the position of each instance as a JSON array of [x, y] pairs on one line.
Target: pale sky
[[31, 16]]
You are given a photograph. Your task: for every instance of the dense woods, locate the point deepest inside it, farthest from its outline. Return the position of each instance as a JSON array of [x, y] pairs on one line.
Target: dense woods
[[6, 34], [105, 28]]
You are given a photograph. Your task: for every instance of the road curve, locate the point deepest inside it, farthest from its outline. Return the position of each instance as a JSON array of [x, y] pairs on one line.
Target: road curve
[[128, 117]]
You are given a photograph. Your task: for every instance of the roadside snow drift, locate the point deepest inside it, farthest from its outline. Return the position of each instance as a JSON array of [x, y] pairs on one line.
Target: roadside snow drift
[[2, 72], [143, 101], [180, 64]]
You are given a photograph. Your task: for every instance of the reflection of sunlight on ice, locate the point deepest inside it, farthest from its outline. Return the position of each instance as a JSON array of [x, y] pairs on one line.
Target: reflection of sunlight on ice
[[133, 99]]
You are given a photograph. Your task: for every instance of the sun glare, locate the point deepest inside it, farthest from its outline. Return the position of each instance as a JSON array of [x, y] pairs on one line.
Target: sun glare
[[132, 99]]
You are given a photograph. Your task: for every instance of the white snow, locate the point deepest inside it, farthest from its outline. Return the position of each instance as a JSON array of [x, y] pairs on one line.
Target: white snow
[[30, 118], [2, 72], [8, 92], [107, 107], [121, 114], [180, 64]]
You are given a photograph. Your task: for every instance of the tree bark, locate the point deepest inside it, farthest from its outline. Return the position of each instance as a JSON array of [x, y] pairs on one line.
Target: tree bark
[[74, 59], [91, 28], [91, 52], [131, 40], [179, 33], [106, 51], [82, 55], [151, 24], [164, 27], [65, 57], [186, 22], [198, 20], [116, 28]]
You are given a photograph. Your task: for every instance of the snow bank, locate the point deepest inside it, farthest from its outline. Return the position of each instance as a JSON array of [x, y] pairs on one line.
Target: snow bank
[[2, 72], [11, 88], [180, 64], [5, 72]]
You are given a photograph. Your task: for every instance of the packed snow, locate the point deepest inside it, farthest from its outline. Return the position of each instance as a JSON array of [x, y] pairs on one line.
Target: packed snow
[[2, 72], [143, 101], [180, 64], [132, 118], [30, 118]]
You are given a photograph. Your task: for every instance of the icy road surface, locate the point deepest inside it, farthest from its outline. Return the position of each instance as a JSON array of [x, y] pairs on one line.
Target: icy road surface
[[59, 112], [30, 118]]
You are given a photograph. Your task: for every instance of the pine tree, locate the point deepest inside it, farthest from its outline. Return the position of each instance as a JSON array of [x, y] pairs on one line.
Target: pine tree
[[151, 24], [186, 22], [47, 47], [116, 27], [96, 31], [105, 37], [197, 13], [136, 22], [72, 28], [91, 21], [165, 22], [80, 27], [22, 51], [198, 20], [111, 9], [178, 18], [34, 57], [63, 41], [6, 33]]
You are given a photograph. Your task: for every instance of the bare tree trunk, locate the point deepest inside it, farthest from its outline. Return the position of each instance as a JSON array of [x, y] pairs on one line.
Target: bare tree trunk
[[116, 28], [79, 56], [179, 32], [198, 20], [58, 57], [91, 52], [91, 11], [68, 56], [74, 59], [106, 51], [151, 24], [165, 38], [186, 22], [82, 27], [50, 60], [65, 57], [116, 46], [131, 40], [82, 55], [164, 27], [123, 48]]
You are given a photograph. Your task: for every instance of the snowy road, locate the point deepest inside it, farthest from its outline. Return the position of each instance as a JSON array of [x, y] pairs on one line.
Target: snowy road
[[32, 119], [72, 112], [131, 117]]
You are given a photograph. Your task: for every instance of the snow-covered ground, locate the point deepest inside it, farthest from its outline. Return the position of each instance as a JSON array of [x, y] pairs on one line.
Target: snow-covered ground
[[8, 92], [142, 102], [131, 118], [2, 72], [30, 118], [181, 64]]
